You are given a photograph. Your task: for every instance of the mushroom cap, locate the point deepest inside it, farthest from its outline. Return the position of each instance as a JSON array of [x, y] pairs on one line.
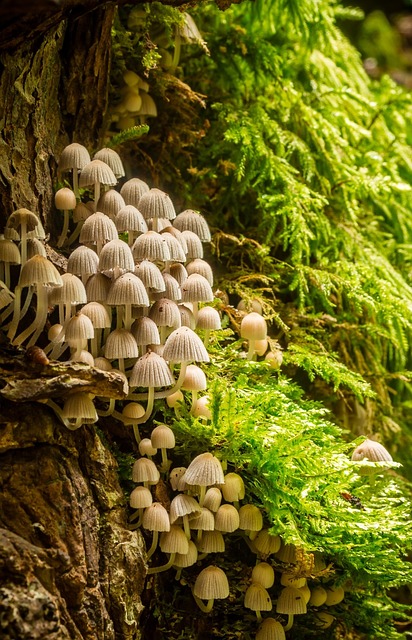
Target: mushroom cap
[[264, 574], [148, 106], [132, 191], [71, 292], [183, 560], [196, 289], [291, 580], [97, 287], [174, 476], [128, 218], [79, 405], [145, 470], [318, 596], [204, 470], [177, 235], [97, 171], [179, 272], [184, 345], [35, 248], [194, 245], [176, 251], [234, 488], [65, 199], [183, 505], [110, 203], [120, 344], [203, 522], [257, 598], [150, 246], [155, 517], [211, 542], [162, 437], [211, 584], [150, 275], [190, 220], [270, 629], [98, 228], [213, 499], [83, 261], [112, 159], [140, 498], [102, 363], [74, 156], [131, 412], [287, 553], [39, 270], [146, 448], [151, 370], [174, 541], [195, 379], [98, 315], [128, 289], [202, 268], [291, 600], [171, 290], [78, 328], [81, 212], [165, 313], [250, 518], [208, 318], [145, 331], [253, 327], [372, 451], [9, 252], [266, 543], [227, 518], [23, 216], [187, 318], [334, 595]]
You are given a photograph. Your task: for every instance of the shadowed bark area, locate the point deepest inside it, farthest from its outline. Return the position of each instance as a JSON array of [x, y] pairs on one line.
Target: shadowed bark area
[[69, 567]]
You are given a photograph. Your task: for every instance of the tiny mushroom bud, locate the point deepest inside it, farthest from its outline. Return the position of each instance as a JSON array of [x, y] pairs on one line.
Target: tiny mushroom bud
[[163, 438], [253, 327]]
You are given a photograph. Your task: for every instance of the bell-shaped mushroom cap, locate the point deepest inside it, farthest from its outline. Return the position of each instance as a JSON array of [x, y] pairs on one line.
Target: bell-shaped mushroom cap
[[156, 518], [175, 248], [204, 470], [150, 246], [116, 253], [227, 518], [202, 268], [213, 499], [131, 412], [112, 159], [39, 270], [372, 451], [234, 488], [97, 171], [287, 553], [318, 596], [120, 344], [9, 252], [291, 600], [190, 220], [183, 560], [184, 345], [83, 262], [140, 498], [196, 289], [183, 505], [187, 318], [132, 191], [179, 273], [78, 328], [174, 541], [130, 219], [102, 363], [203, 522], [145, 470], [6, 296], [97, 287], [81, 212], [145, 331], [253, 327], [128, 289], [79, 406], [165, 313], [156, 204], [211, 584], [270, 629], [174, 476], [257, 598], [146, 448], [334, 595], [72, 291], [195, 379], [98, 315], [35, 248], [250, 517], [110, 203], [98, 228], [74, 156], [264, 574], [162, 437], [65, 199], [177, 235], [148, 106], [171, 291], [208, 318], [23, 216], [290, 580], [151, 370], [150, 275], [211, 542], [266, 543], [194, 245]]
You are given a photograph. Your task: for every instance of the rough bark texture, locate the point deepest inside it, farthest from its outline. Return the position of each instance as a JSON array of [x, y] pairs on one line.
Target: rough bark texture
[[69, 567]]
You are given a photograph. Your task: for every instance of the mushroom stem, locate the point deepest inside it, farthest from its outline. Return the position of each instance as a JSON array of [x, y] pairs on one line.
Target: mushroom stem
[[163, 567], [16, 314], [176, 53], [23, 243], [251, 350], [202, 495], [206, 338], [206, 608], [76, 183], [186, 526], [36, 327], [153, 545], [108, 411], [96, 194], [75, 233], [163, 394], [194, 400], [258, 616], [290, 622], [63, 235], [58, 411], [165, 461]]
